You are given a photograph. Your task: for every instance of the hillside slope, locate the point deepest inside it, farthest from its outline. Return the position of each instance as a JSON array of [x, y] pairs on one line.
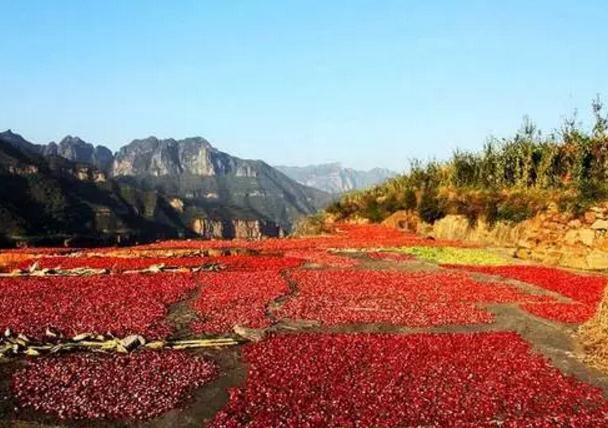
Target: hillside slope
[[195, 171], [47, 200], [150, 189]]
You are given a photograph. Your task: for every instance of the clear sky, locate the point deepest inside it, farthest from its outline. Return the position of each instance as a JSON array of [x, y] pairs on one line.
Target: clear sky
[[368, 83]]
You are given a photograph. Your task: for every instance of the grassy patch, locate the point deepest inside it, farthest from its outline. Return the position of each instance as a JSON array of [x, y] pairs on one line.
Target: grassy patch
[[452, 255]]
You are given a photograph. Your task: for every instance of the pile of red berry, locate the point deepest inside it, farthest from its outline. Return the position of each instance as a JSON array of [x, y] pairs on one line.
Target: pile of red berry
[[237, 298], [118, 304], [322, 257], [374, 380], [415, 299], [585, 290], [140, 385]]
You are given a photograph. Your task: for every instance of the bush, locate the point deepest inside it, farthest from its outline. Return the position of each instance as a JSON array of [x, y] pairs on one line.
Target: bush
[[502, 181], [430, 208], [410, 201]]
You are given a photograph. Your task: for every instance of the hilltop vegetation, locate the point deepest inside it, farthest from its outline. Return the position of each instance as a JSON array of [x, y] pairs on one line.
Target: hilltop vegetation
[[510, 179]]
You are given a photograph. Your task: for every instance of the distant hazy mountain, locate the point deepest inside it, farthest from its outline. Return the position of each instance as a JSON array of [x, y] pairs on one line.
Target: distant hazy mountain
[[150, 189], [333, 178]]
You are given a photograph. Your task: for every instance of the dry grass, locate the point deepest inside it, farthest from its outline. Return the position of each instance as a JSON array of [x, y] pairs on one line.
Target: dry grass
[[594, 336]]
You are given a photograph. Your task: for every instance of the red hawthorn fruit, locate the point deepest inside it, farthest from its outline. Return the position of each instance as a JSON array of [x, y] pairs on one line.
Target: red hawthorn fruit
[[231, 298], [119, 304], [322, 257], [120, 264], [585, 290], [138, 386], [398, 298], [344, 236], [382, 380]]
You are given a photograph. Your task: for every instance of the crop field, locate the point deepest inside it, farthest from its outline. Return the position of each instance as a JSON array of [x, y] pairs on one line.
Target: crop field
[[363, 327]]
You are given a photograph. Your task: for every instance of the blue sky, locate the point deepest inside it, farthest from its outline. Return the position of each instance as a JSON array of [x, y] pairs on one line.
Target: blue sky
[[368, 83]]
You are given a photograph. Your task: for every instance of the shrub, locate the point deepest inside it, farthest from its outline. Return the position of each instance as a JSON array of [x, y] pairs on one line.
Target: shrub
[[430, 208]]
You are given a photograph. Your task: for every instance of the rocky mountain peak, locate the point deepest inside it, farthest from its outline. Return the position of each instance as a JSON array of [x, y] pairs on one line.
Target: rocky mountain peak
[[17, 140], [169, 157], [77, 150]]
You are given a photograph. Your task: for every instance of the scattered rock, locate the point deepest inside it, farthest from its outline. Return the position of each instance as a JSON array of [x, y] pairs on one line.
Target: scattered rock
[[589, 217], [132, 342], [597, 260], [83, 336], [252, 334], [600, 225], [587, 236], [571, 237]]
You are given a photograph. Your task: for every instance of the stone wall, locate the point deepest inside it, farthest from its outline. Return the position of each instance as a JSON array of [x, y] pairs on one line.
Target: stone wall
[[550, 237]]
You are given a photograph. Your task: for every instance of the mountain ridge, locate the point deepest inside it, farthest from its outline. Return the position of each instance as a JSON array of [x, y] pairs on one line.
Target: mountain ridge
[[334, 178], [207, 192]]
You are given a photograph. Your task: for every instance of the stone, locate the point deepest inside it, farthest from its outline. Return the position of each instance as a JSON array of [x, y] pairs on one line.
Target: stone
[[522, 253], [525, 243], [252, 334], [132, 342], [403, 220], [574, 262], [552, 208], [601, 243], [571, 237], [547, 256], [586, 236], [600, 225], [597, 260], [589, 217], [575, 224]]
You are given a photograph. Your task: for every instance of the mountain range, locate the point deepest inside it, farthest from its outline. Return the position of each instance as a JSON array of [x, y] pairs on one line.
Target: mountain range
[[151, 188], [333, 178]]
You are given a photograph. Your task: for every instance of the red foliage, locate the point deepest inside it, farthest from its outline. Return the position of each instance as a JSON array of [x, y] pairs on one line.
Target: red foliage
[[585, 290], [140, 385], [412, 299], [120, 304], [231, 298], [365, 380]]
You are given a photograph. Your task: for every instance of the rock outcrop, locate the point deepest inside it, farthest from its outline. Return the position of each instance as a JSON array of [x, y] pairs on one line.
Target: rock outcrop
[[77, 150], [194, 156]]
